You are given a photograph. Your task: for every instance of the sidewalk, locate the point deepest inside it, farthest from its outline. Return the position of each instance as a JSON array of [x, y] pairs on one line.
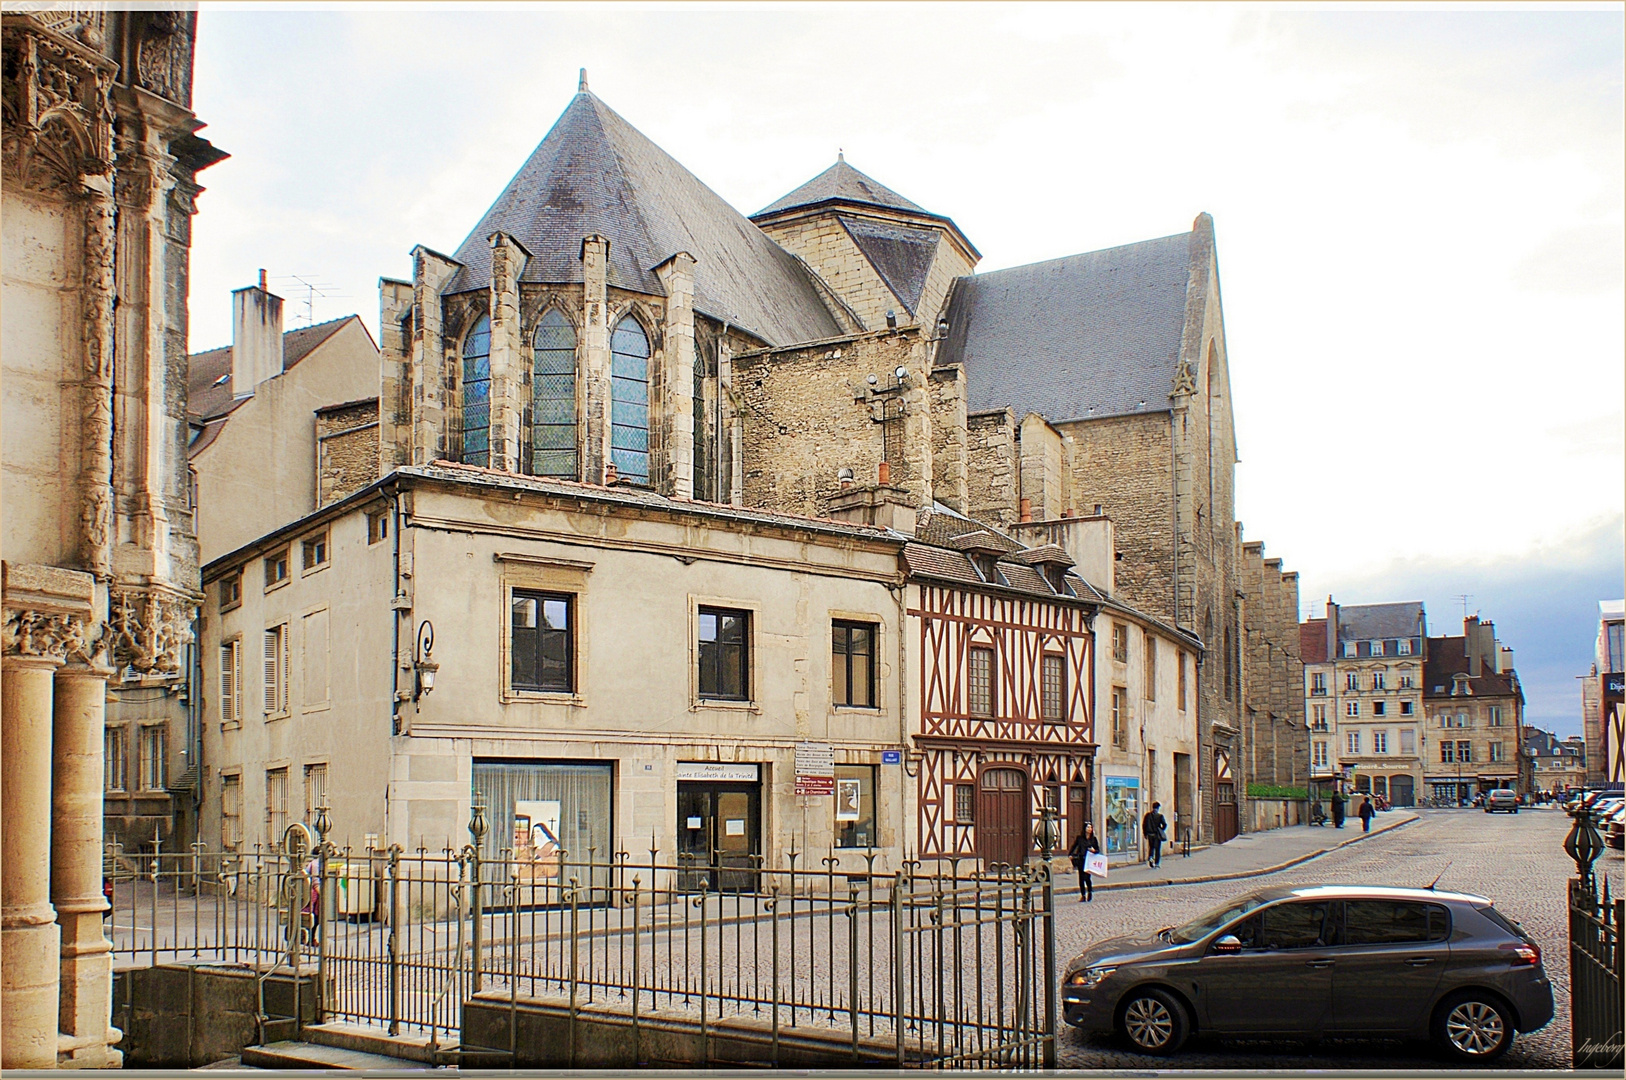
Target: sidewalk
[[1246, 855]]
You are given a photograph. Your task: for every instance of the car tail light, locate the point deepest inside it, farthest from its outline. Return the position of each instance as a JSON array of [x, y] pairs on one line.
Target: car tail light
[[1525, 953]]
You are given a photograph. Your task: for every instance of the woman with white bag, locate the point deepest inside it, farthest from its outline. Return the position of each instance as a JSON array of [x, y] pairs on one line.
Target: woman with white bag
[[1084, 845]]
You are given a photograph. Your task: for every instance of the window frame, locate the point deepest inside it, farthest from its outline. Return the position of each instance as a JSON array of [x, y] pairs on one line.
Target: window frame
[[534, 400], [1120, 643], [969, 793], [1120, 717], [378, 526], [841, 655], [229, 592], [231, 839], [746, 662], [868, 775], [232, 718], [1352, 743], [1058, 713], [541, 597], [463, 382], [115, 756], [984, 705], [275, 710], [315, 554], [647, 381], [156, 764], [282, 561]]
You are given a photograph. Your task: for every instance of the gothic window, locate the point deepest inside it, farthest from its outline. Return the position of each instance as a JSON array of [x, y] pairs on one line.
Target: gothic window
[[629, 401], [701, 457], [477, 394], [553, 398]]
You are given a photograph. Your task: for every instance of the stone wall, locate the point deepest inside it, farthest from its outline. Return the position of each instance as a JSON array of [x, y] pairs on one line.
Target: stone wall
[[991, 467], [346, 450]]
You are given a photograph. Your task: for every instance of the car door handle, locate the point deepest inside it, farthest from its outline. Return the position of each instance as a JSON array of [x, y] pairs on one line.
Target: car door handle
[[1318, 964], [1420, 961]]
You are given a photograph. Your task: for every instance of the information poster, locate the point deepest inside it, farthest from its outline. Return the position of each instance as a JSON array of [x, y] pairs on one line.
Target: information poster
[[1123, 814], [848, 794], [536, 842]]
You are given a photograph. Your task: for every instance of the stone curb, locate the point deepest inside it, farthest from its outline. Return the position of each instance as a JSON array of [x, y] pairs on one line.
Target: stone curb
[[1235, 875]]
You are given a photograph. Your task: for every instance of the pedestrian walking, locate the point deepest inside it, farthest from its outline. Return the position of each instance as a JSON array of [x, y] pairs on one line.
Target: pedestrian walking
[[1338, 809], [1366, 813], [1155, 827], [1084, 844]]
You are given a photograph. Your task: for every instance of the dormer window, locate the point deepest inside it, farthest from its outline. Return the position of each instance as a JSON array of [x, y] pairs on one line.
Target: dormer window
[[1403, 647], [1351, 650], [986, 568], [1459, 685], [1377, 648]]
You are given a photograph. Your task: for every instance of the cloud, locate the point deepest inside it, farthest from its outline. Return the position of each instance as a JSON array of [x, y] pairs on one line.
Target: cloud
[[1583, 259]]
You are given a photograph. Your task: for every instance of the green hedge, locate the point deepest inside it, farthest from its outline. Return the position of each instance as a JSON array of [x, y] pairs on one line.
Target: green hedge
[[1271, 791]]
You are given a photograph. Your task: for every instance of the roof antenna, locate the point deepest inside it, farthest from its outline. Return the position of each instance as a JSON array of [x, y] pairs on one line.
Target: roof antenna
[[581, 82], [1437, 877]]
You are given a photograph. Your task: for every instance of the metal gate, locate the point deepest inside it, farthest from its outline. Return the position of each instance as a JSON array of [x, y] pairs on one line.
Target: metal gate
[[1596, 957]]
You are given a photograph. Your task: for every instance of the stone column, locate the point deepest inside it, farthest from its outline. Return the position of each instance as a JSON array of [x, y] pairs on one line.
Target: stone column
[[30, 941], [595, 255], [509, 358], [677, 404], [430, 274], [76, 863]]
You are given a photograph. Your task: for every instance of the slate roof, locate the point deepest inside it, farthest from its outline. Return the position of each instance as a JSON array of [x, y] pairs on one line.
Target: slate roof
[[901, 255], [1313, 641], [840, 182], [594, 173], [1447, 657], [1084, 336], [1380, 622], [208, 385]]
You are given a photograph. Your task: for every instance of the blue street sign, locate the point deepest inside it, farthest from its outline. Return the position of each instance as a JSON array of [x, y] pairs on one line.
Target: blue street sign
[[891, 757]]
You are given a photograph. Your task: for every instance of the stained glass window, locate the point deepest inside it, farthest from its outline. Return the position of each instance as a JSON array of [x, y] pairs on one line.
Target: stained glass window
[[477, 394], [629, 401], [553, 398]]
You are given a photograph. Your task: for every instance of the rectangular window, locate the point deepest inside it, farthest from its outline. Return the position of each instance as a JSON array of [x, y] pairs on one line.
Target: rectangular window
[[231, 691], [1319, 754], [378, 526], [276, 568], [1053, 686], [1406, 708], [152, 758], [113, 753], [1408, 742], [1150, 643], [1377, 648], [231, 812], [541, 649], [231, 591], [276, 805], [1120, 643], [1495, 716], [1120, 718], [1352, 680], [537, 808], [1318, 721], [1406, 682], [725, 654], [1182, 655], [1379, 680], [1462, 719], [1351, 650], [855, 806], [1352, 708], [314, 552], [1380, 743], [276, 670], [315, 790], [965, 803], [852, 663], [980, 681], [1403, 647], [313, 651], [1379, 708], [1465, 751], [1352, 742], [1495, 751], [1447, 753], [1318, 682]]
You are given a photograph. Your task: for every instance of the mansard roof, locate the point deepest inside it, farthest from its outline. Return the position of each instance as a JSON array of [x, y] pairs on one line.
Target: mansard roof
[[1090, 335], [840, 183], [1380, 622], [594, 173]]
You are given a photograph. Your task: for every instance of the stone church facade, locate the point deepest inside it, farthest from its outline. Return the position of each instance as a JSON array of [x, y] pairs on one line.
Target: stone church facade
[[612, 318], [100, 160]]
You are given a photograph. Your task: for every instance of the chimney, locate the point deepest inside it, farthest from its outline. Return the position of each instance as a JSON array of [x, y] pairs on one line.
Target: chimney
[[883, 474], [1027, 510], [256, 338]]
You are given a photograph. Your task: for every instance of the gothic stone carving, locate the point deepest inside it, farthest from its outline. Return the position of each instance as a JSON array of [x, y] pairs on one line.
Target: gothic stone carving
[[149, 628], [57, 115], [51, 635], [164, 60]]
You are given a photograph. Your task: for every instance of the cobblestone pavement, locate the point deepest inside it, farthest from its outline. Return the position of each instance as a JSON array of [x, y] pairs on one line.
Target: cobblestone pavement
[[1516, 861]]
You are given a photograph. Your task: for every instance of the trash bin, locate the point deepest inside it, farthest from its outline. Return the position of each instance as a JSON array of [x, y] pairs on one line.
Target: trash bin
[[356, 893]]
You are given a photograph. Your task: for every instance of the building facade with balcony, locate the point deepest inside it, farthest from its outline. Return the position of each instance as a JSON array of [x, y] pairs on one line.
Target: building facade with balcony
[[1475, 708]]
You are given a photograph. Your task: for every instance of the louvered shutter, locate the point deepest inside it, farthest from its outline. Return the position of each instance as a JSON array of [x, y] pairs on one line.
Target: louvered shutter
[[273, 652], [228, 682], [282, 669]]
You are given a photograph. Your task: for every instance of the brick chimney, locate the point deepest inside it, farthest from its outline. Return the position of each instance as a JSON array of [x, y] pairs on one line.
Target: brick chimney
[[256, 337]]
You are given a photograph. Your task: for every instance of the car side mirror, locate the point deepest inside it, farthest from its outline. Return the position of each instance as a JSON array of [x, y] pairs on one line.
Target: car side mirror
[[1228, 943]]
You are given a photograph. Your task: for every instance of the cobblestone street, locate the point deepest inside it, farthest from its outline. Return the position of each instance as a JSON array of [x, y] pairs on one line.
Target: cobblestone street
[[1516, 861]]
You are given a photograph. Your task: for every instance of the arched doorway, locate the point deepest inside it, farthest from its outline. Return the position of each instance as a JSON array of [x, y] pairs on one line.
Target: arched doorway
[[1003, 816]]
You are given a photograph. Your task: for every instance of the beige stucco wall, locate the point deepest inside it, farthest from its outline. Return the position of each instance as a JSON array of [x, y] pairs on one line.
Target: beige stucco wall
[[260, 471]]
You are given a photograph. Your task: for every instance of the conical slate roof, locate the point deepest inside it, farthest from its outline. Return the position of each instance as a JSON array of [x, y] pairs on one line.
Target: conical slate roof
[[595, 173], [841, 181]]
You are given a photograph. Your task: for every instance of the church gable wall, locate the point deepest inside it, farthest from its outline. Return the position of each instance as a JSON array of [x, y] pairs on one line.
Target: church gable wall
[[991, 468]]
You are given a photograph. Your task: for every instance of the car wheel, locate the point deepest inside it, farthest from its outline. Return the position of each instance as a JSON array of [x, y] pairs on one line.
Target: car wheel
[[1153, 1022], [1473, 1026]]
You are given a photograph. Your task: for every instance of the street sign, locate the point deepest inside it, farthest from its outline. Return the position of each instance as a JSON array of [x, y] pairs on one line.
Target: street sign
[[815, 769], [891, 757]]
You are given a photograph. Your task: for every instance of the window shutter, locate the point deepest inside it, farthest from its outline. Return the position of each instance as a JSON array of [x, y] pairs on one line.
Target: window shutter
[[228, 682], [273, 651], [282, 669]]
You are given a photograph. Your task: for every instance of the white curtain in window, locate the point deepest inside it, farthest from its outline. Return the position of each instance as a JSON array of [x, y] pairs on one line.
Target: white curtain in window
[[583, 795]]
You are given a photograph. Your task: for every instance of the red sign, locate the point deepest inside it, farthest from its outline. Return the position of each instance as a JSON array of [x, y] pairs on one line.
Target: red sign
[[815, 785]]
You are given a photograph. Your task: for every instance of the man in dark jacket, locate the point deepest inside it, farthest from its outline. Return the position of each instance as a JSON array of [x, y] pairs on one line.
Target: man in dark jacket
[[1338, 808], [1365, 813], [1155, 828]]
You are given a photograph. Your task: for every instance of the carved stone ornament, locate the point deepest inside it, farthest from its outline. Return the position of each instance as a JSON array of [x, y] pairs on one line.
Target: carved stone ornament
[[149, 628], [1185, 380], [50, 635], [164, 59], [57, 115]]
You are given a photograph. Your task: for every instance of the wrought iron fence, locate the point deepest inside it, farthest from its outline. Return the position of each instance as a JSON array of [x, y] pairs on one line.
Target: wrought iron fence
[[954, 968], [1597, 961]]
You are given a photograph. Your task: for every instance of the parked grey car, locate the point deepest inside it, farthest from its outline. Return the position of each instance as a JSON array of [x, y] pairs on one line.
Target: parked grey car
[[1320, 961], [1502, 799]]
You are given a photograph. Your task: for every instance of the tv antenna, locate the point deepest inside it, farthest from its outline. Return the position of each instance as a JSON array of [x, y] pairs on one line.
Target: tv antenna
[[1463, 598], [313, 287]]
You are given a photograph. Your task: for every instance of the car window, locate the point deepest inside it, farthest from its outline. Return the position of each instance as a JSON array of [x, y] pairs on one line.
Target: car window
[[1206, 924], [1504, 922], [1299, 925], [1389, 922]]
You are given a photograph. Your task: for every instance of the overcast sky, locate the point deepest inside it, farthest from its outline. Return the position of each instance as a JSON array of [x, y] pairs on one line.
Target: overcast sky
[[1419, 219]]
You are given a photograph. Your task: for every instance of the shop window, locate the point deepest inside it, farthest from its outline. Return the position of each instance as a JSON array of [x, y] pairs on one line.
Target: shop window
[[543, 815], [855, 806], [553, 398], [476, 394], [629, 401], [541, 649], [1123, 814], [153, 745], [965, 804], [852, 663], [725, 660], [231, 811], [1053, 686], [113, 775], [980, 681]]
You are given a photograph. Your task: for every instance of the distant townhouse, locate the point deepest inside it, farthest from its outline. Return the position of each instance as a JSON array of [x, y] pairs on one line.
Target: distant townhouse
[[1475, 711], [1556, 766]]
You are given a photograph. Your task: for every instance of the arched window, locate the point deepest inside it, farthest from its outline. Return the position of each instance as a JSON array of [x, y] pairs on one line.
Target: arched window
[[629, 401], [553, 398], [477, 394]]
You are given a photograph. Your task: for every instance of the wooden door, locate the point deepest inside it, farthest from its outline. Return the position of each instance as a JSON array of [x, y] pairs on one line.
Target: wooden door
[[1078, 812], [1225, 825], [1004, 817]]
